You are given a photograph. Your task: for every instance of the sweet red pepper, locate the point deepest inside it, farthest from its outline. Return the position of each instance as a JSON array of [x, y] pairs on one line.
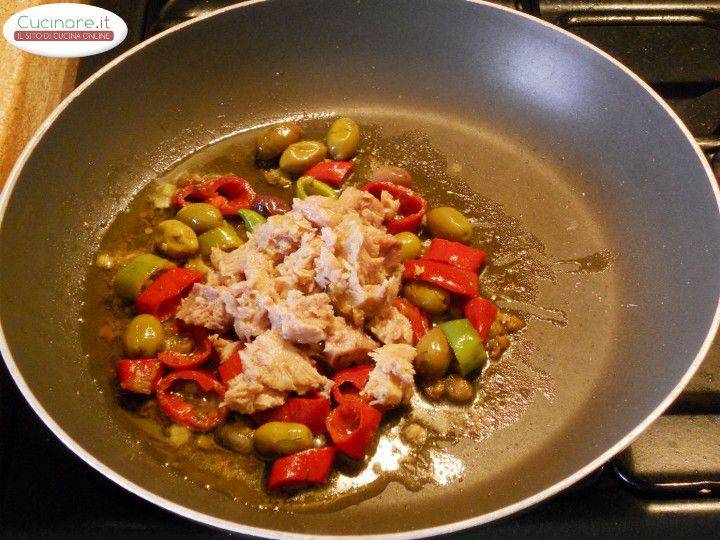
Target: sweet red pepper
[[228, 194], [352, 426], [412, 206], [311, 411], [307, 468], [202, 351], [164, 294], [230, 368], [139, 376], [419, 322], [455, 254], [331, 172], [184, 412], [481, 314], [455, 280], [349, 382]]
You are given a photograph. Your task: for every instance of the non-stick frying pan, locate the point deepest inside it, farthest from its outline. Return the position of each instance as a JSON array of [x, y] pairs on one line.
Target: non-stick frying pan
[[575, 147]]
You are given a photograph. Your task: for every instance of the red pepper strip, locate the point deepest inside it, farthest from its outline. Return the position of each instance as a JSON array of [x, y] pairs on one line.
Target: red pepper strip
[[139, 376], [230, 368], [203, 349], [412, 206], [455, 280], [184, 412], [419, 322], [481, 314], [227, 193], [303, 410], [308, 468], [455, 254], [331, 172], [349, 382], [352, 427], [164, 294]]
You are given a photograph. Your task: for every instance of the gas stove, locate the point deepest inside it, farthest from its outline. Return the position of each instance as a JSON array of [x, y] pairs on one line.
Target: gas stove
[[666, 484]]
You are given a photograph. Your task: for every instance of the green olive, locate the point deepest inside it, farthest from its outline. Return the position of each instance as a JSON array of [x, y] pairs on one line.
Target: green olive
[[175, 239], [429, 298], [448, 223], [223, 237], [410, 245], [300, 156], [280, 438], [343, 138], [433, 355], [143, 337], [200, 217], [275, 139]]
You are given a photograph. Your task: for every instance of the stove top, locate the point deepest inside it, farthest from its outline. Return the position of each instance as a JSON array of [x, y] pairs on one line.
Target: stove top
[[666, 484]]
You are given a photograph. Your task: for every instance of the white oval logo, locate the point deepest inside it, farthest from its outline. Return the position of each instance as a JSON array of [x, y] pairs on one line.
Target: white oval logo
[[65, 30]]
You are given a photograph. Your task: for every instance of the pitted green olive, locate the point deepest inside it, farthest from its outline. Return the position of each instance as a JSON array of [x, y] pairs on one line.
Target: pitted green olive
[[343, 138], [143, 337], [446, 222], [175, 239], [433, 355], [200, 217], [300, 156], [223, 237], [410, 245], [280, 438], [275, 139], [429, 298]]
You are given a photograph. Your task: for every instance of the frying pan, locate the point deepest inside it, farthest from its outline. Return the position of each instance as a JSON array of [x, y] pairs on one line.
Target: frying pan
[[574, 146]]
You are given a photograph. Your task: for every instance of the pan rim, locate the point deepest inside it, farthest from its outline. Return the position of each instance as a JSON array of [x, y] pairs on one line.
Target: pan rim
[[456, 526]]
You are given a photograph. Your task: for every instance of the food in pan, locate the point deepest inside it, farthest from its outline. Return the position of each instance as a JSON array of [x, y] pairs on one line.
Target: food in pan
[[288, 318]]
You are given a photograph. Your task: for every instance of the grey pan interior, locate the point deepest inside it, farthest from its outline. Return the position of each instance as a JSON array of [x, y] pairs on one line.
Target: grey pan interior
[[568, 141]]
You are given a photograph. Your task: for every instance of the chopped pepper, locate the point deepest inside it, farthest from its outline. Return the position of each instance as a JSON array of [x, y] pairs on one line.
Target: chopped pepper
[[227, 193], [466, 343], [331, 172], [481, 314], [131, 278], [419, 322], [349, 382], [184, 412], [455, 254], [307, 185], [139, 376], [310, 411], [230, 368], [197, 357], [412, 206], [251, 219], [455, 280], [164, 294], [307, 468], [352, 426]]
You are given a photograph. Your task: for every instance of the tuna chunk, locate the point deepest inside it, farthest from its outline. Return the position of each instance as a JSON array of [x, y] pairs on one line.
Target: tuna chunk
[[282, 234], [346, 345], [391, 326], [391, 381], [204, 306], [224, 348], [272, 368], [372, 211], [301, 318], [248, 308], [318, 210], [247, 262], [297, 271]]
